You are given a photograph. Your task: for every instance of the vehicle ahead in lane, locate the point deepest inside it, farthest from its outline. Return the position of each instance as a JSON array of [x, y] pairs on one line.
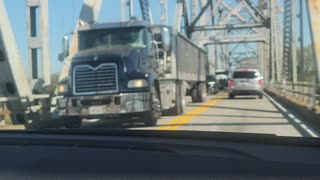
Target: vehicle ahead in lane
[[246, 82], [213, 84]]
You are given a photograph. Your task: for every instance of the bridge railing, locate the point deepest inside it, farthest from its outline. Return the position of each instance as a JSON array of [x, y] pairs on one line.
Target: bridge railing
[[303, 92]]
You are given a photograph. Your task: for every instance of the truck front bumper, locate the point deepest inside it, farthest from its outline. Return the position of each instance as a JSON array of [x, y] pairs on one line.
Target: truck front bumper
[[104, 105]]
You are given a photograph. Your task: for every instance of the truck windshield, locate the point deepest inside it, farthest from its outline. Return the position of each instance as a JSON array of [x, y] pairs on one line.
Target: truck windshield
[[112, 38]]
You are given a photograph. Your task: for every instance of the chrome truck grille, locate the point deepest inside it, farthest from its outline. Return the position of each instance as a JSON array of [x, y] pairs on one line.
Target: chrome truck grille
[[89, 81]]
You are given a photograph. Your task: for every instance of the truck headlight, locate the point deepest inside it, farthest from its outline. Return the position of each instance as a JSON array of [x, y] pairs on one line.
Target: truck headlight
[[138, 83], [62, 88]]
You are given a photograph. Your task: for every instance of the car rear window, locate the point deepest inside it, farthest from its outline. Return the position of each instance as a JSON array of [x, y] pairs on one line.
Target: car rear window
[[248, 75], [211, 78]]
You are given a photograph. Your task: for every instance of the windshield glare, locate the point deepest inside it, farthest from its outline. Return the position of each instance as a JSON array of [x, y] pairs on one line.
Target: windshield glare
[[112, 38]]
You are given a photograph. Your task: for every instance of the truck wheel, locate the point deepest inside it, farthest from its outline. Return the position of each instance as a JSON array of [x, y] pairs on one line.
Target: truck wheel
[[153, 115], [198, 93], [72, 122], [180, 105], [183, 99]]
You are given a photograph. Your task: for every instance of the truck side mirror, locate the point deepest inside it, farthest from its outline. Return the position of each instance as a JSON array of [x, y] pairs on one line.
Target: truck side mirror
[[166, 39], [65, 48]]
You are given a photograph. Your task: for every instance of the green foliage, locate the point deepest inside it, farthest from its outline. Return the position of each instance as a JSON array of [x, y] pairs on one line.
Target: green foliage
[[309, 67]]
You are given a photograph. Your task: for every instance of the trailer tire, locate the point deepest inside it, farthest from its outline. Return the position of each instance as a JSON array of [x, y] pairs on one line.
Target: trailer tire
[[201, 92], [152, 116], [180, 105], [194, 95]]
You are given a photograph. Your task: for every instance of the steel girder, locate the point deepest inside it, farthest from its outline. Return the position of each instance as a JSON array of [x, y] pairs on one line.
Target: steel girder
[[314, 17], [289, 64], [229, 19], [15, 89]]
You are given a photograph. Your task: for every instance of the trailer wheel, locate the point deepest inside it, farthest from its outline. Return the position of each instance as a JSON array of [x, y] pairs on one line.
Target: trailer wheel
[[180, 105], [153, 115], [194, 95], [201, 92]]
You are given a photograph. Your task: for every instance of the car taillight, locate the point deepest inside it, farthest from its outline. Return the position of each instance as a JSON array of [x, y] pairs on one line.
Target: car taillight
[[231, 83], [260, 82]]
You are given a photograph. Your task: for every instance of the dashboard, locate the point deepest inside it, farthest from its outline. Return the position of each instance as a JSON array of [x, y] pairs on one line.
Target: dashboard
[[113, 156]]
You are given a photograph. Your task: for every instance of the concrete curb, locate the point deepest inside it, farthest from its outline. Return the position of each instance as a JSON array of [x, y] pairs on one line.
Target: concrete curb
[[309, 116]]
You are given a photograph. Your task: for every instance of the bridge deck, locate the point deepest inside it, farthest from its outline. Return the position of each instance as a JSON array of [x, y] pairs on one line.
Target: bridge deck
[[243, 114]]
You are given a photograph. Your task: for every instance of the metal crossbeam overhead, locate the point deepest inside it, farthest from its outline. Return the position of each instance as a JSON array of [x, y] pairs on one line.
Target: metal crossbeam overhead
[[231, 22], [228, 27], [222, 39]]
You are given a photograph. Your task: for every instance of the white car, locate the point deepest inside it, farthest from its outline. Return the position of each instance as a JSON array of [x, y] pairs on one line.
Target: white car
[[246, 82]]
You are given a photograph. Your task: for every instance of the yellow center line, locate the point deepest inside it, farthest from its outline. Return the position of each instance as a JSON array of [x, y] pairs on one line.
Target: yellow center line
[[185, 118]]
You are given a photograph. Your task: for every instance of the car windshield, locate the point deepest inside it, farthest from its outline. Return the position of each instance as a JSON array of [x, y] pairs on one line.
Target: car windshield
[[112, 38], [246, 75], [222, 66]]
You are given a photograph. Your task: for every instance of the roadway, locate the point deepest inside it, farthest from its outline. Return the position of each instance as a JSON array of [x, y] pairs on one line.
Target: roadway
[[218, 113]]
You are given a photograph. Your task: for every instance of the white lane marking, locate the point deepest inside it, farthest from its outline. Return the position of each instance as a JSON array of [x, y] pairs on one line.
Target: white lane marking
[[309, 130], [297, 121], [291, 116]]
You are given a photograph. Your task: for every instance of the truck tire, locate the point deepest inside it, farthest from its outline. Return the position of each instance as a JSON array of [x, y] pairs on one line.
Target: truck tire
[[198, 93], [180, 105], [152, 116], [72, 122]]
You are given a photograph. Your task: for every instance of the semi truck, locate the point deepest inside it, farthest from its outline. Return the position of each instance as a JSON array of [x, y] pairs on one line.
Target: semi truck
[[130, 70]]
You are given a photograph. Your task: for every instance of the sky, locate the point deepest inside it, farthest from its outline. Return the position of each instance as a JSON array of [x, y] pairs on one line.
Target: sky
[[63, 15]]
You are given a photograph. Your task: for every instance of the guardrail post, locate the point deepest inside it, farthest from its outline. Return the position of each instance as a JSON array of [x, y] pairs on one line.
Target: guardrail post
[[305, 91], [314, 92], [284, 87], [1, 113]]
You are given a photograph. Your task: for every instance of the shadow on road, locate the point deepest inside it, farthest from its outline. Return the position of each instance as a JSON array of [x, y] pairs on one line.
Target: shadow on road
[[240, 98], [234, 108], [226, 124], [233, 116]]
